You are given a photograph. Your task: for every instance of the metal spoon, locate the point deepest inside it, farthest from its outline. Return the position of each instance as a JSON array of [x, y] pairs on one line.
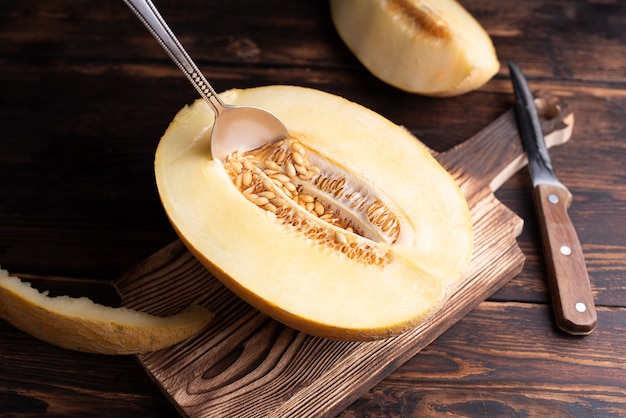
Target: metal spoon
[[236, 127]]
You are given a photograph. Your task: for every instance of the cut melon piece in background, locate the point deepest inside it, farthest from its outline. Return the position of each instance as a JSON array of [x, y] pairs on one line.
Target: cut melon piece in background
[[430, 47]]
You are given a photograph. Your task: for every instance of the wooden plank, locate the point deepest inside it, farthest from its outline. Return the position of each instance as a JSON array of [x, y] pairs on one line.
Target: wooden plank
[[540, 34], [476, 366], [448, 376], [39, 379]]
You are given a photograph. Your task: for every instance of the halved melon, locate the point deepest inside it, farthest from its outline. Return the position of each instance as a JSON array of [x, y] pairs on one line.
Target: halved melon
[[431, 47], [348, 229]]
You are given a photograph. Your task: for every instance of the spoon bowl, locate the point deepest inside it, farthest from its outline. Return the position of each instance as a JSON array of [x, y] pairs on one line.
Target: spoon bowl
[[244, 128], [240, 128]]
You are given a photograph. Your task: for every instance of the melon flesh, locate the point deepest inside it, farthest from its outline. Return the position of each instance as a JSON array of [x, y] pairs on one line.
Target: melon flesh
[[430, 47], [303, 282]]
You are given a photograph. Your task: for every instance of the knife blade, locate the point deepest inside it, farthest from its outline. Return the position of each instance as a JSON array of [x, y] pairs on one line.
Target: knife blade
[[572, 298]]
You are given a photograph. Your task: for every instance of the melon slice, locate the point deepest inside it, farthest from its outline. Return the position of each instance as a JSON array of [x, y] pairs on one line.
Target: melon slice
[[348, 229], [431, 47], [82, 325]]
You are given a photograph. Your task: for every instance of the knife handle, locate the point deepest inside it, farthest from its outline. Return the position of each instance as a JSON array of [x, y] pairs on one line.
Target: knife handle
[[567, 273]]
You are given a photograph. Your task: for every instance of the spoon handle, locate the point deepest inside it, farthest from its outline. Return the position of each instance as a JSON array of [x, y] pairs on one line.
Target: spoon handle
[[148, 14]]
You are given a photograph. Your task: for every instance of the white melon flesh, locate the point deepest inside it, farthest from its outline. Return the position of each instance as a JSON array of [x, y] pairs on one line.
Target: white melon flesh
[[430, 47]]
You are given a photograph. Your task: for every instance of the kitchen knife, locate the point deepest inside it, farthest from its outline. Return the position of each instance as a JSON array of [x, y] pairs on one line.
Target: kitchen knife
[[572, 299]]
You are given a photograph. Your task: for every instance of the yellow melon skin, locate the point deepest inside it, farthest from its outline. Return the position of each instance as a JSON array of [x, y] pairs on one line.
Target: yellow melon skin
[[291, 278], [81, 325], [430, 47]]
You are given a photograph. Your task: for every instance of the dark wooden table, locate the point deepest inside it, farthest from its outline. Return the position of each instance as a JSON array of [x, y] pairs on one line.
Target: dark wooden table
[[86, 93]]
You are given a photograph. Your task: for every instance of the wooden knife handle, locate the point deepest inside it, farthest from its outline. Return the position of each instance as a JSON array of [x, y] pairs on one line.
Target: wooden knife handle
[[567, 273]]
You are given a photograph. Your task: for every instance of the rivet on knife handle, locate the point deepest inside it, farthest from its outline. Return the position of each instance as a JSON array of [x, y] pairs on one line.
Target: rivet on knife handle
[[567, 273]]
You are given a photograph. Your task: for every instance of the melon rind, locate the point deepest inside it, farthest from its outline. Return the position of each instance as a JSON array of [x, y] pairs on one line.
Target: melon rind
[[80, 324]]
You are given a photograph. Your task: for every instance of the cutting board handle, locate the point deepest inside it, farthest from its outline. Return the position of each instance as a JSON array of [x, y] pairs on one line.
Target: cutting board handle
[[501, 138]]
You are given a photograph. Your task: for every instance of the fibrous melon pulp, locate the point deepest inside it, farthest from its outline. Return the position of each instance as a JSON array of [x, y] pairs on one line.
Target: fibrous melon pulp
[[348, 229], [430, 47]]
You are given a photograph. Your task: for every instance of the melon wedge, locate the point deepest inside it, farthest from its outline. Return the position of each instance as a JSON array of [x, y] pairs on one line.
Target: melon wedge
[[365, 243], [430, 47], [82, 325]]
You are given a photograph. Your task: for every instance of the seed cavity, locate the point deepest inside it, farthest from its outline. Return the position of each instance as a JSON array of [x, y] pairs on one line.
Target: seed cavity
[[314, 196]]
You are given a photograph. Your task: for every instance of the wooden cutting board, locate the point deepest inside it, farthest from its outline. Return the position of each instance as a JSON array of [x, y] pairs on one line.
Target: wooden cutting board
[[248, 365]]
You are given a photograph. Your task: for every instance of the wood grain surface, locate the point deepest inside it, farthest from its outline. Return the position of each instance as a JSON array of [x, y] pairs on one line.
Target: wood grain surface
[[86, 93]]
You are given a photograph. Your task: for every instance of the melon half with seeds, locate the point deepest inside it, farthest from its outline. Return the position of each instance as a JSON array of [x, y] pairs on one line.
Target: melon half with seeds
[[348, 229]]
